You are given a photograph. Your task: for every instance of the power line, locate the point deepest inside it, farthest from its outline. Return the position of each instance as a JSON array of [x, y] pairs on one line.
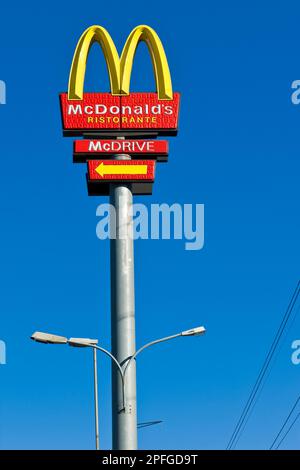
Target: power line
[[291, 426], [284, 424], [239, 426], [258, 395]]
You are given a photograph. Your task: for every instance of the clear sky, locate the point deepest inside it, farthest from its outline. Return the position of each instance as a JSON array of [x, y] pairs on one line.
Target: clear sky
[[237, 152]]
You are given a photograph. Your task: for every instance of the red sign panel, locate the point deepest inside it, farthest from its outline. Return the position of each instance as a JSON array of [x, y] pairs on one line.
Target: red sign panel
[[120, 170], [98, 112], [146, 111], [84, 149], [95, 111]]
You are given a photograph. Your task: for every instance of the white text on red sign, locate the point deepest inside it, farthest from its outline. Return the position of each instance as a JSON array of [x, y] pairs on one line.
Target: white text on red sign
[[122, 146]]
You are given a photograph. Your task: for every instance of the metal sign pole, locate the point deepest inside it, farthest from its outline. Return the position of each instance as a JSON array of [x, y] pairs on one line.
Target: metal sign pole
[[124, 418]]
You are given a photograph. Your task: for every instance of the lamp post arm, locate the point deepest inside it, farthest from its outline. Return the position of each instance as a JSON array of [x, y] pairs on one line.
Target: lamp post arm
[[112, 357], [167, 338]]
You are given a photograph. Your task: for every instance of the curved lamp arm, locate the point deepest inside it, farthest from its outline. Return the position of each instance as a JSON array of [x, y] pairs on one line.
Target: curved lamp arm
[[167, 338], [111, 356]]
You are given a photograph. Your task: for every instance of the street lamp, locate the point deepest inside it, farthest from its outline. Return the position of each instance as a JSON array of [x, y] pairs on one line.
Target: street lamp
[[199, 330], [93, 343], [81, 343], [47, 338]]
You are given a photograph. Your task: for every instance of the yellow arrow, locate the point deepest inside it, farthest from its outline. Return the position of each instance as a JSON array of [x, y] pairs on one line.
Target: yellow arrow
[[103, 169]]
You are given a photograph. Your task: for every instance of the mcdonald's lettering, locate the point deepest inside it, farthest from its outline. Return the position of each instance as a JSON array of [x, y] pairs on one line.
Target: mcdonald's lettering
[[120, 110], [101, 111]]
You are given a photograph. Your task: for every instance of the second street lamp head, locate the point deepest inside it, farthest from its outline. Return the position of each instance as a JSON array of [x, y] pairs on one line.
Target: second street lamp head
[[82, 342], [199, 330], [48, 338]]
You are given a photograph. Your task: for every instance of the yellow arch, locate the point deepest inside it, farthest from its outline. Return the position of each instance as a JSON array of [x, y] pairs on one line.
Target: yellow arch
[[159, 61], [77, 73], [120, 69]]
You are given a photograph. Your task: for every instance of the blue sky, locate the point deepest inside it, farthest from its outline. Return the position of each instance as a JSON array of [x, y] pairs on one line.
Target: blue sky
[[237, 152]]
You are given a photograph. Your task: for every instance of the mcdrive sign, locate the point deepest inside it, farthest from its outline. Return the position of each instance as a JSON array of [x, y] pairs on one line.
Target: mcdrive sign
[[119, 110], [84, 150]]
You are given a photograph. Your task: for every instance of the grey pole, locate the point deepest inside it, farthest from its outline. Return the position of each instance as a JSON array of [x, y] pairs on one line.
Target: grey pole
[[96, 399], [124, 418]]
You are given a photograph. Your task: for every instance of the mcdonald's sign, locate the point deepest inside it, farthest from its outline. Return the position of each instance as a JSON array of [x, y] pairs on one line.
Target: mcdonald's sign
[[120, 112]]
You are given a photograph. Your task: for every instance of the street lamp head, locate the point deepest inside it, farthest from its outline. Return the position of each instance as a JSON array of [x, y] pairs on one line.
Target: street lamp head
[[199, 330], [82, 342], [47, 338]]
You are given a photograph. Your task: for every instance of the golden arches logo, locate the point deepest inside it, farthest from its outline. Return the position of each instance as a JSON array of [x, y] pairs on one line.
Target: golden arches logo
[[119, 68]]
